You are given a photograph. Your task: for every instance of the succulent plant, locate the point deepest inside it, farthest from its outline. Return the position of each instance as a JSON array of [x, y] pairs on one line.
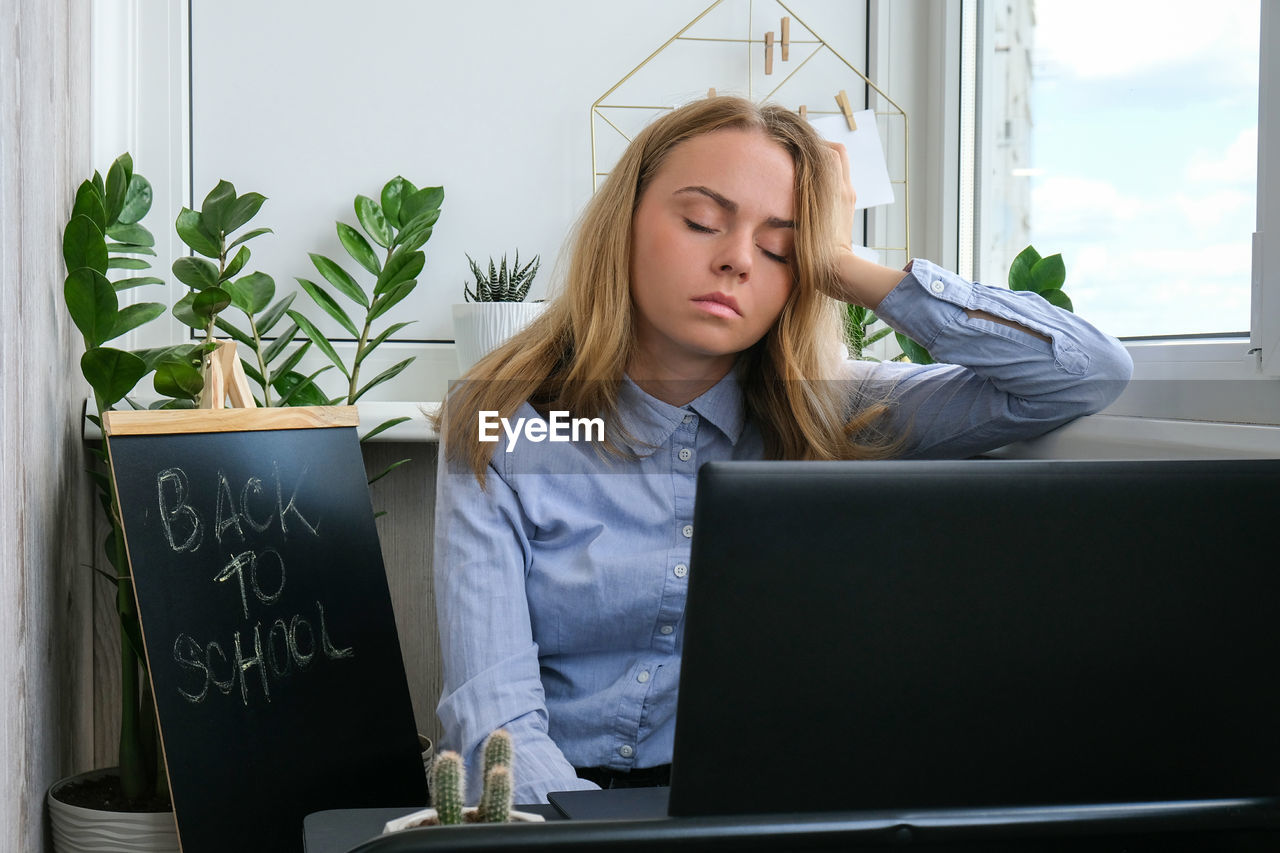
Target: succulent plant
[[501, 284], [448, 781]]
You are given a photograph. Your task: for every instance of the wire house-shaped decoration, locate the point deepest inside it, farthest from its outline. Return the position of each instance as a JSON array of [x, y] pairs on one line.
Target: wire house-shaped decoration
[[762, 51]]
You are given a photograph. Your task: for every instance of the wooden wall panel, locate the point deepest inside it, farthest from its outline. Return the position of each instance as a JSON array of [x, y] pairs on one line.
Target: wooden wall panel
[[45, 581]]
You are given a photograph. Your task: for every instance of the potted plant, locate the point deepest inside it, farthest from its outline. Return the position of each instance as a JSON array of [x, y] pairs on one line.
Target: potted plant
[[105, 233], [495, 310], [447, 783]]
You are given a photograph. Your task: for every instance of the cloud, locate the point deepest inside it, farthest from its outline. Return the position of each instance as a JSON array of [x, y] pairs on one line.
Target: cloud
[[1093, 39], [1237, 165], [1079, 207]]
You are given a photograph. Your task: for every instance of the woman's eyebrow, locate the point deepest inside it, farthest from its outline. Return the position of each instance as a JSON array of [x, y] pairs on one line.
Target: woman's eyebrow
[[732, 206]]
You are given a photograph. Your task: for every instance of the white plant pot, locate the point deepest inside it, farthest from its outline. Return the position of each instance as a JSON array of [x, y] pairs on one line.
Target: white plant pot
[[80, 830], [481, 327]]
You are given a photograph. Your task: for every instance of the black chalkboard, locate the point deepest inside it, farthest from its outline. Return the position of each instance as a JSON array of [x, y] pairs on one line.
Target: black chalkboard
[[270, 639]]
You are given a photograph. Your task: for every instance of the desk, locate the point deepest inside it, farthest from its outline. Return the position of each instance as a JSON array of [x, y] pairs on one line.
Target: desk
[[340, 830]]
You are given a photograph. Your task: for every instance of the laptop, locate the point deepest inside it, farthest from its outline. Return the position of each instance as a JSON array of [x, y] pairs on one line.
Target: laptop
[[970, 643]]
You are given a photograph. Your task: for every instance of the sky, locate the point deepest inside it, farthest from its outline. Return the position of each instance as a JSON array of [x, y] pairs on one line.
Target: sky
[[1144, 159]]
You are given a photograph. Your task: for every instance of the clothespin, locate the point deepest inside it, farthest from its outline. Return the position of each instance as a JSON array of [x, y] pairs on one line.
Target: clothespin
[[843, 100], [804, 112], [224, 377], [768, 52], [786, 39], [711, 93]]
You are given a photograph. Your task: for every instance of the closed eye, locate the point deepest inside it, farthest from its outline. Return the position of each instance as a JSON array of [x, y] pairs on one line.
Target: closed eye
[[782, 259], [694, 226]]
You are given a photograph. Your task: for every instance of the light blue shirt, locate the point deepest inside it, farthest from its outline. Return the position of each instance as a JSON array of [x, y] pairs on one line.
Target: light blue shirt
[[561, 589]]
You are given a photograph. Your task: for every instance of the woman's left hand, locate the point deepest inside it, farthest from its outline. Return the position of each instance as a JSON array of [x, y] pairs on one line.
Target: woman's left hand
[[859, 281]]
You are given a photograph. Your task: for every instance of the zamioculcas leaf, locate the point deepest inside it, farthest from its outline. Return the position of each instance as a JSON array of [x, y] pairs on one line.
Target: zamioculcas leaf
[[216, 208], [393, 193], [319, 340], [259, 289], [389, 373], [210, 301], [89, 203], [1056, 297], [1048, 274], [92, 303], [242, 210], [117, 186], [272, 315], [329, 306], [131, 233], [185, 314], [1020, 269], [913, 351], [386, 301], [298, 390], [277, 346], [247, 236], [372, 220], [83, 245], [294, 357], [358, 248], [137, 201], [234, 331], [127, 264], [373, 344], [237, 264], [111, 373], [385, 471], [417, 232], [196, 272], [427, 198], [152, 357], [383, 427], [402, 266], [127, 283], [252, 373], [133, 316], [178, 378], [339, 278], [194, 233], [129, 249]]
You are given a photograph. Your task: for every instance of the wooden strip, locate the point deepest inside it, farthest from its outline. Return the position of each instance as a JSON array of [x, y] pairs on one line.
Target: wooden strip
[[228, 420]]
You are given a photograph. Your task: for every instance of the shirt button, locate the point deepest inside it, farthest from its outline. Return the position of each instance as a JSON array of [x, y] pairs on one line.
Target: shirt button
[[667, 629], [685, 454], [688, 419], [681, 570], [937, 287], [643, 677], [626, 751], [687, 530]]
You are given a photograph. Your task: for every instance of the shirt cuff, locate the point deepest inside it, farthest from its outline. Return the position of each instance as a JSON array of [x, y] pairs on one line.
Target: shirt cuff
[[926, 301]]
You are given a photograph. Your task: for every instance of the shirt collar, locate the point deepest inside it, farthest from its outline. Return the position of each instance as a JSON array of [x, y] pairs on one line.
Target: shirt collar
[[651, 422]]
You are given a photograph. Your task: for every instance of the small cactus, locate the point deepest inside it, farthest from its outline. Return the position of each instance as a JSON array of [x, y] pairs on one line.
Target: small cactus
[[497, 750], [495, 802], [448, 781]]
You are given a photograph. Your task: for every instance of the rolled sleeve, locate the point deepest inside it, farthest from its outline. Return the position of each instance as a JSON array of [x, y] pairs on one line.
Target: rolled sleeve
[[993, 384]]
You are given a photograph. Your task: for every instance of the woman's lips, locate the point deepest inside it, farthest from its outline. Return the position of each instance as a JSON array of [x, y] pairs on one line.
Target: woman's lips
[[719, 304]]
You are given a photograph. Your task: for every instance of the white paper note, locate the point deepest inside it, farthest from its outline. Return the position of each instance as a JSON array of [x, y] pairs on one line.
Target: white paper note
[[868, 170]]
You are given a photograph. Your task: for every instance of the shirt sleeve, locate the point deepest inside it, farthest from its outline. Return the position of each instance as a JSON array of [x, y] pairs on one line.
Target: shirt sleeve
[[992, 384], [491, 672]]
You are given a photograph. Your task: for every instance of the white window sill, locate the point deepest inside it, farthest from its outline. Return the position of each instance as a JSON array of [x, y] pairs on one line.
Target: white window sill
[[1107, 436]]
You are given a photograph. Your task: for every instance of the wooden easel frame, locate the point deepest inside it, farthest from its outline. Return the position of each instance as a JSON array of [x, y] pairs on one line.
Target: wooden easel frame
[[224, 378]]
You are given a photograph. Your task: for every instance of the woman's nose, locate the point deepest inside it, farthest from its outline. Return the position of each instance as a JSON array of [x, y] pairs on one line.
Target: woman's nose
[[734, 255]]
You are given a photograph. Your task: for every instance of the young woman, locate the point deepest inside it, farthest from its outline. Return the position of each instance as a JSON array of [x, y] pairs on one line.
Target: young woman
[[700, 320]]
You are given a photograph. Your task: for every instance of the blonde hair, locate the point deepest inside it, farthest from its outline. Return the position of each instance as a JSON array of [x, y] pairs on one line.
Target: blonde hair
[[573, 356]]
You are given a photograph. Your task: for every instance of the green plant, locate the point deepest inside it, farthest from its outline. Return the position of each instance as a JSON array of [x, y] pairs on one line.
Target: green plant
[[214, 288], [501, 285], [448, 782], [858, 335], [401, 224], [1029, 271], [104, 211]]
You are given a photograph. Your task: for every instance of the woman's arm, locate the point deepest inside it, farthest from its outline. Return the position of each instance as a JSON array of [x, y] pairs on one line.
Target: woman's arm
[[491, 673]]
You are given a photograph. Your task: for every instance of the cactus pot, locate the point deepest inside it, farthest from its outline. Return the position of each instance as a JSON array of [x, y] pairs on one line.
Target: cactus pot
[[82, 829], [481, 327], [427, 817]]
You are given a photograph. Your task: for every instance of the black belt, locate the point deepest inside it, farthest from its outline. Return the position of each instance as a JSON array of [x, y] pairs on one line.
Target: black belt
[[644, 777]]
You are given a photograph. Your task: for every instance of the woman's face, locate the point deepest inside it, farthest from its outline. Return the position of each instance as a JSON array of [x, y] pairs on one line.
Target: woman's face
[[712, 238]]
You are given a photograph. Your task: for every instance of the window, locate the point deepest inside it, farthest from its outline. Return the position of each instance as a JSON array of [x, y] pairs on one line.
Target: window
[[1125, 136]]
